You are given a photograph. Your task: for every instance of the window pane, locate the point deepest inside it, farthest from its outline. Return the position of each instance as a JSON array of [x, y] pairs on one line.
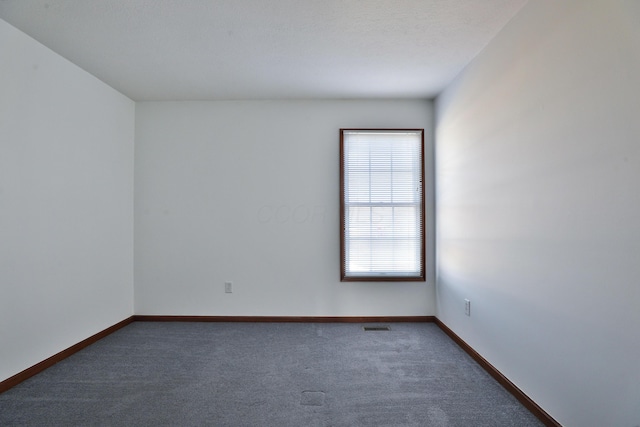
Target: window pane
[[382, 204]]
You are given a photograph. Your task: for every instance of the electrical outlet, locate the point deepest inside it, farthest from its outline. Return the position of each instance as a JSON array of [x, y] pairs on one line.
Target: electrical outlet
[[467, 307], [228, 287]]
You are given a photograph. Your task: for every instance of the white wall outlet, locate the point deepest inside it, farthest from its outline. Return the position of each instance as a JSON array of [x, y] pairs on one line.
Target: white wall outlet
[[228, 287], [467, 307]]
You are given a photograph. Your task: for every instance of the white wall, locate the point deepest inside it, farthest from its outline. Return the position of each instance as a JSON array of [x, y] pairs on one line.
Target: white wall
[[538, 173], [66, 203], [248, 192]]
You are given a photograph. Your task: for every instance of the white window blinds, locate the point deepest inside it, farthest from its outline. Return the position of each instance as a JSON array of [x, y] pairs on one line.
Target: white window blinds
[[382, 205]]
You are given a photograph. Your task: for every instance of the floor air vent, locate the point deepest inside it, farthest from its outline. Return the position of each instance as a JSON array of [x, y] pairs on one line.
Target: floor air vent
[[376, 328]]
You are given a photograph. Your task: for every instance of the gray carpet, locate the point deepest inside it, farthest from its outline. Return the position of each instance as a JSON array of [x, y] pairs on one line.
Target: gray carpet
[[265, 374]]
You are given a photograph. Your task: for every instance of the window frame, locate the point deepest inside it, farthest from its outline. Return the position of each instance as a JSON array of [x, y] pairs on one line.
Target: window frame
[[421, 277]]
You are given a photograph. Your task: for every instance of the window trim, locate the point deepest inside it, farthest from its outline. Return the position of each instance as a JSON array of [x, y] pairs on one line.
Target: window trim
[[381, 278]]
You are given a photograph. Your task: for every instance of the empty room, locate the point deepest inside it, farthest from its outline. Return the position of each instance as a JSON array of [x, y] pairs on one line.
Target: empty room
[[320, 213]]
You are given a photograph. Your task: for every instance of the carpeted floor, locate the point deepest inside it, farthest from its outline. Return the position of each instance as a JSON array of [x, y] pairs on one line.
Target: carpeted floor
[[265, 374]]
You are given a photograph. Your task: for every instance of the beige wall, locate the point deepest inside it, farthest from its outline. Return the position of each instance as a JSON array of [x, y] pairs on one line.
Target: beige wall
[[66, 203], [538, 166], [248, 192]]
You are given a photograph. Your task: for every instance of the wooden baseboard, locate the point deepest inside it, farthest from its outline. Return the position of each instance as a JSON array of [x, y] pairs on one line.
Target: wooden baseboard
[[288, 319], [39, 367], [532, 406]]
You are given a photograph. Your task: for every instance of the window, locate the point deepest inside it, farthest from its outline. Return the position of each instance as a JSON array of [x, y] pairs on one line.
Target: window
[[382, 205]]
